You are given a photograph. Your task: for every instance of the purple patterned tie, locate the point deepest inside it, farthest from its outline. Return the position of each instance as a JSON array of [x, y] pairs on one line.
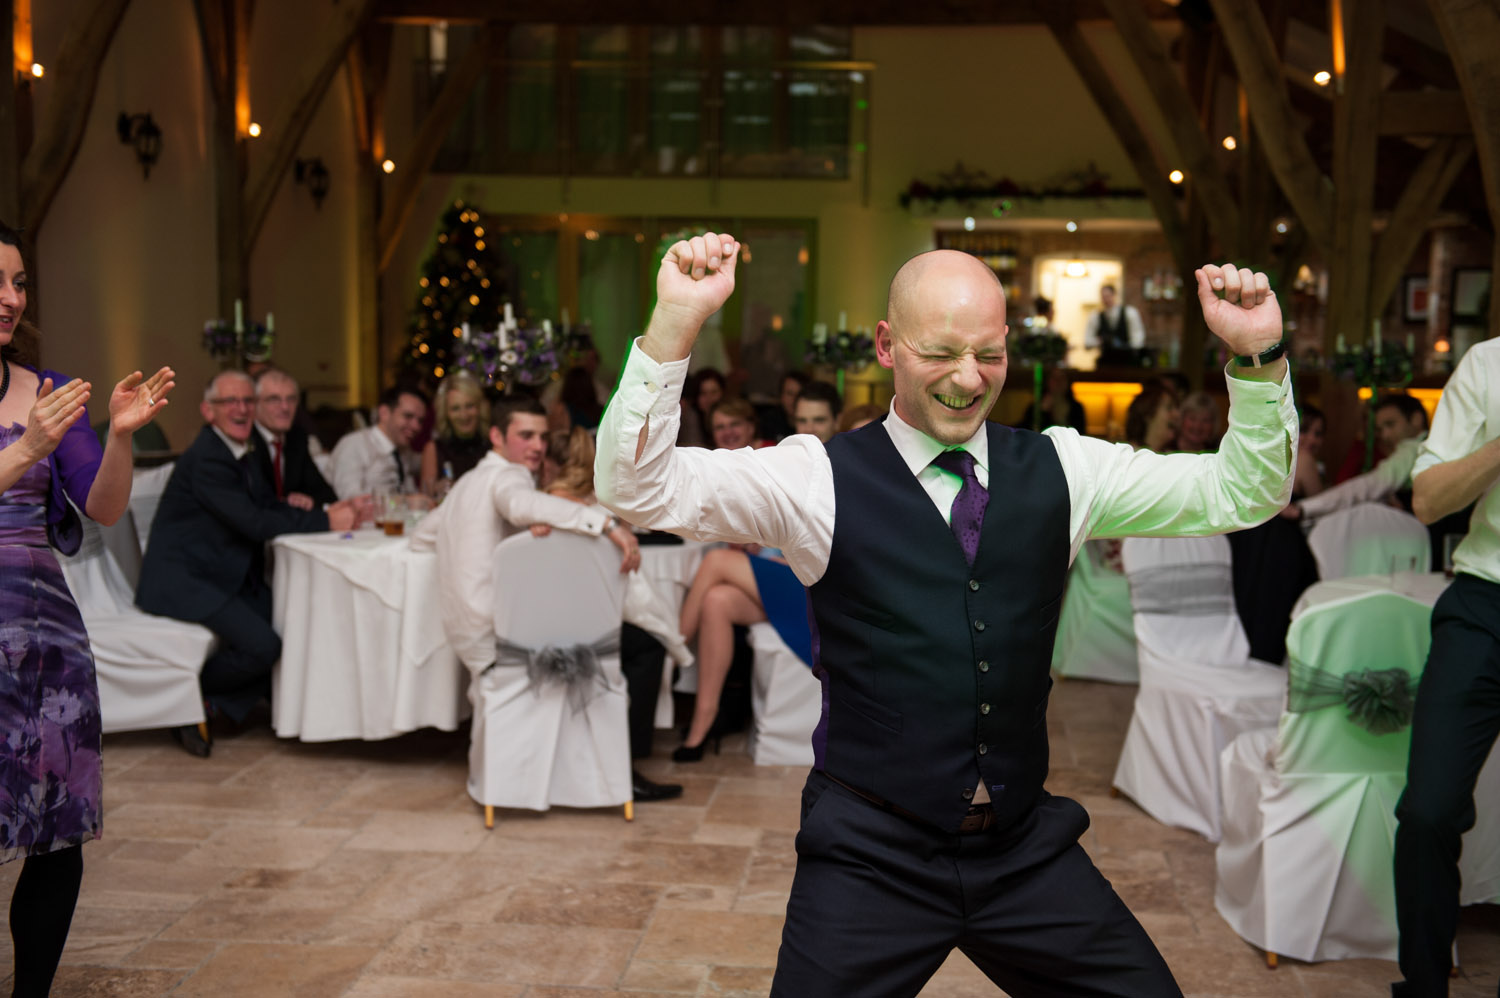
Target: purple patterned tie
[[967, 515]]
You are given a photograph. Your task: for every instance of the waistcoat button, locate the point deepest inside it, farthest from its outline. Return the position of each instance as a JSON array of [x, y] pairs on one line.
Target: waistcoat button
[[973, 585], [984, 708], [983, 748], [978, 625], [984, 665], [967, 794]]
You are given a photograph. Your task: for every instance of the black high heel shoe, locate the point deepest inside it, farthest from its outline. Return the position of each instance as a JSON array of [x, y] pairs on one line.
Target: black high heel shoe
[[694, 753]]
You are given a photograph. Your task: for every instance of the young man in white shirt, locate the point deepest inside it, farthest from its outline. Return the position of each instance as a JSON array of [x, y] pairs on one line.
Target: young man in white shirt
[[1457, 712], [925, 826], [495, 500], [379, 458]]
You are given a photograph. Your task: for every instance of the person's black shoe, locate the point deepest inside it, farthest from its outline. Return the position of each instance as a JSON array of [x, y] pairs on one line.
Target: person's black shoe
[[192, 740], [644, 789]]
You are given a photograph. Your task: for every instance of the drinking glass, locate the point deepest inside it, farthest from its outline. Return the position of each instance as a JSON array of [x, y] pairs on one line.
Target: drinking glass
[[393, 514], [1450, 545]]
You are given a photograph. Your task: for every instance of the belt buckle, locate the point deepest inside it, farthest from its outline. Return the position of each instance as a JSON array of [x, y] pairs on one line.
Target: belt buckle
[[981, 817]]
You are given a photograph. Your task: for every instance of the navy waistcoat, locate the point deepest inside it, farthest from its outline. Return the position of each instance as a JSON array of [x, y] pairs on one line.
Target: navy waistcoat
[[935, 675]]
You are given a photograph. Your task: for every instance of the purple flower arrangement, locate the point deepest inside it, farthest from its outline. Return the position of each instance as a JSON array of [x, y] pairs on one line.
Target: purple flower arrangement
[[511, 353]]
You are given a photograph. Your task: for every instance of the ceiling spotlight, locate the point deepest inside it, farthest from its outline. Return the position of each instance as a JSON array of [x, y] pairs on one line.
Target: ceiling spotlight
[[1072, 226], [1322, 77], [1281, 228], [37, 70], [1075, 268], [1230, 143], [389, 166], [969, 223], [254, 129], [1175, 176]]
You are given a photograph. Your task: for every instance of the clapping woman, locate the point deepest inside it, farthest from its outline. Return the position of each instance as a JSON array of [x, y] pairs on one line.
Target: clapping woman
[[49, 700]]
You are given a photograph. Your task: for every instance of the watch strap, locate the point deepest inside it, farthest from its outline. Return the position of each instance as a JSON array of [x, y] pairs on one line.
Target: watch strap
[[1262, 358]]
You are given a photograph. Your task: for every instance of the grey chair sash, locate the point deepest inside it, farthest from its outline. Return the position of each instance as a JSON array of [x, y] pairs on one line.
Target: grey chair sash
[[1190, 590], [1379, 700], [575, 667]]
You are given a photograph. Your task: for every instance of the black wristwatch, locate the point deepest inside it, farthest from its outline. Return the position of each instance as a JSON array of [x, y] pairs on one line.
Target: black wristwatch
[[1262, 358]]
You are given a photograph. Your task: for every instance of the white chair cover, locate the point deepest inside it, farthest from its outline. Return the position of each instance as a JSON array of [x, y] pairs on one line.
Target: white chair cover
[[786, 699], [146, 488], [529, 747], [1369, 539], [1199, 687], [1095, 634], [147, 666], [1304, 868]]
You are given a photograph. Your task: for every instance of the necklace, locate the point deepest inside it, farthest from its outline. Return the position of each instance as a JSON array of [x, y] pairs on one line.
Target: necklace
[[5, 378]]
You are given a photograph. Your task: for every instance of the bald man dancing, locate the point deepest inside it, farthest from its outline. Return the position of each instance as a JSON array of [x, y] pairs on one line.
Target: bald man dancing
[[935, 548]]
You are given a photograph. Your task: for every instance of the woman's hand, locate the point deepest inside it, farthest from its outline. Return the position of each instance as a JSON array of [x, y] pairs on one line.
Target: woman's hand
[[52, 415], [136, 400]]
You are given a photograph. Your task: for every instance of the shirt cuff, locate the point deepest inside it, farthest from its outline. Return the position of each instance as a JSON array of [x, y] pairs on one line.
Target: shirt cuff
[[651, 387], [1247, 394]]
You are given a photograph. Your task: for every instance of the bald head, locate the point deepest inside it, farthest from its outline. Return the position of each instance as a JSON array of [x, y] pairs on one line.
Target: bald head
[[941, 282]]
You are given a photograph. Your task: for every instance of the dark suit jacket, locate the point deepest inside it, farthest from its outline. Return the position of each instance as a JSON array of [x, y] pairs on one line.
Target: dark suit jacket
[[300, 474], [214, 519]]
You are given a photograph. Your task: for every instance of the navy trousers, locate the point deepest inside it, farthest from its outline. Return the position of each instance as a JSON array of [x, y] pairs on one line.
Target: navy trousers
[[880, 900], [1452, 731]]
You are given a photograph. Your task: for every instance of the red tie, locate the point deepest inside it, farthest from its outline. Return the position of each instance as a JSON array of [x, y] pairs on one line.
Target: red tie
[[276, 469]]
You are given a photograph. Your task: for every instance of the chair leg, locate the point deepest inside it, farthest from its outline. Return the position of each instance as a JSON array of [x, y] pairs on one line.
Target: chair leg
[[203, 730], [1114, 791], [1270, 960], [489, 816], [630, 810]]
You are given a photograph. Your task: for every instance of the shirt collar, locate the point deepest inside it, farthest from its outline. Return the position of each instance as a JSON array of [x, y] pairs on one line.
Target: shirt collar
[[917, 449], [384, 442], [265, 434], [236, 448]]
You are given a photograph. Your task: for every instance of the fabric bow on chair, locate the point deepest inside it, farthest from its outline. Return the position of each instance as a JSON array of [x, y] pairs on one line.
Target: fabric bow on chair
[[575, 667], [1379, 700]]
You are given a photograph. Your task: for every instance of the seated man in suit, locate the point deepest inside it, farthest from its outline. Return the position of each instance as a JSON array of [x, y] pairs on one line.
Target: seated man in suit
[[283, 451], [205, 562], [380, 458], [497, 499]]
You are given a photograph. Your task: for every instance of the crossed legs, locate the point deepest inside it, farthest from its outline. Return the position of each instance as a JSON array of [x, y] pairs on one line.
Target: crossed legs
[[723, 595]]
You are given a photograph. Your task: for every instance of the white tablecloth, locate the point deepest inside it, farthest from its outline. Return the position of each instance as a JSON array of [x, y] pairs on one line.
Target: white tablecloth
[[363, 651], [1423, 587]]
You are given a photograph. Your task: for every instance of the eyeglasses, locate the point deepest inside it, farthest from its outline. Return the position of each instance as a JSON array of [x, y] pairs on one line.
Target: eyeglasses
[[241, 401], [279, 399]]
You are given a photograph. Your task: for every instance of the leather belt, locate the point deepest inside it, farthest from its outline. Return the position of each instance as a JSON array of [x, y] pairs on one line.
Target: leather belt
[[980, 817]]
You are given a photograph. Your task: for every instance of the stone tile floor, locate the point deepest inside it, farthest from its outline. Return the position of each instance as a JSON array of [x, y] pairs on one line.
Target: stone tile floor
[[363, 870]]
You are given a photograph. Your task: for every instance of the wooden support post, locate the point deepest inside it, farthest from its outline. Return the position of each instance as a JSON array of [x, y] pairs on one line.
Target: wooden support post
[[1356, 118], [1469, 31], [1248, 38], [10, 139], [368, 66], [1152, 174], [224, 28]]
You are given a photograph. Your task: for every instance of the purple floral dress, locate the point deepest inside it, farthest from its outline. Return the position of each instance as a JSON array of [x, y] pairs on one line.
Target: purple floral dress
[[50, 794]]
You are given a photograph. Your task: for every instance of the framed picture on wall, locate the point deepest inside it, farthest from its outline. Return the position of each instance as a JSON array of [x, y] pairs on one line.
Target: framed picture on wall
[[1469, 287], [1414, 298]]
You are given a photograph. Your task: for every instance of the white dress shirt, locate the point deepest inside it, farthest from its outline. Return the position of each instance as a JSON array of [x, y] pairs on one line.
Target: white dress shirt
[[362, 465], [1133, 325], [783, 496], [236, 449], [1379, 483], [493, 501], [1468, 415]]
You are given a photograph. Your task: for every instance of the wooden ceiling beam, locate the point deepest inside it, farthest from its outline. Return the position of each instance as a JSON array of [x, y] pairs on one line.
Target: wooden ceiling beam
[[770, 12], [1429, 184], [1195, 152], [1424, 112], [1248, 38], [1123, 122], [291, 123]]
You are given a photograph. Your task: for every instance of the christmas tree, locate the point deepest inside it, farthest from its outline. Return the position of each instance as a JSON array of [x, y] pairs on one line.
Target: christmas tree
[[462, 283]]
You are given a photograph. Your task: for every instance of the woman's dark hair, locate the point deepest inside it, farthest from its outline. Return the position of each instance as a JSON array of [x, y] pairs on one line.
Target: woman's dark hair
[[822, 391], [581, 398], [1143, 409], [25, 343], [695, 384], [1308, 414]]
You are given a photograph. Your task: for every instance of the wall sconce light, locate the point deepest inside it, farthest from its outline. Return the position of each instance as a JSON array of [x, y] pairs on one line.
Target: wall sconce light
[[315, 175], [140, 131]]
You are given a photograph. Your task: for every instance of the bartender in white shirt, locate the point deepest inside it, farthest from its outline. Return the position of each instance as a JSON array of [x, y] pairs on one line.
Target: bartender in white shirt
[[900, 791], [1458, 700]]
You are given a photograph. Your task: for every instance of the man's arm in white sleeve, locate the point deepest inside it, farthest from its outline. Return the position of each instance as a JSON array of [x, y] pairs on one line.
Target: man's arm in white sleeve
[[346, 471], [1457, 464], [1136, 328], [520, 502], [1385, 479]]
